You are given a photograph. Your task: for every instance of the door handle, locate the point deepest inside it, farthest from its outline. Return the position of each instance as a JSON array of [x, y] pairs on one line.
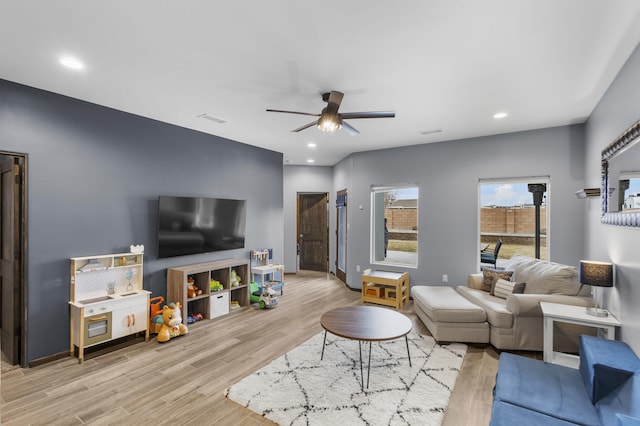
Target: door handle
[[128, 320], [301, 235], [133, 317]]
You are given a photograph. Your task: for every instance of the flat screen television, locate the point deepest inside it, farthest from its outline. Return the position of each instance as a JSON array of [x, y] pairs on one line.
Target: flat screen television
[[191, 225]]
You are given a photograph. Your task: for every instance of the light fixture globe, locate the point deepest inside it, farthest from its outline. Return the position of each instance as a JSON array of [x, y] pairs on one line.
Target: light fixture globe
[[329, 124]]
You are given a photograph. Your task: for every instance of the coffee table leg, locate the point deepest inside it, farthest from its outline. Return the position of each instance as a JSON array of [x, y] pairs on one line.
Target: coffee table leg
[[324, 342], [369, 365], [406, 339], [361, 373]]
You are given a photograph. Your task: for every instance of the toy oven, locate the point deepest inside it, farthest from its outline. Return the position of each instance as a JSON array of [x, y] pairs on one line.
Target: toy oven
[[97, 328]]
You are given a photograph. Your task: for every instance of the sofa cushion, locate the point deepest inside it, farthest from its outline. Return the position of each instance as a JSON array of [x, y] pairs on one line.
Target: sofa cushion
[[490, 276], [443, 304], [605, 364], [624, 400], [544, 277], [622, 420], [495, 308], [550, 389], [505, 414], [503, 288]]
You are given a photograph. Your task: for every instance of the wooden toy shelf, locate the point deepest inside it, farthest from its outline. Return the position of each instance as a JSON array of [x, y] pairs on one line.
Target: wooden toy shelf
[[211, 304]]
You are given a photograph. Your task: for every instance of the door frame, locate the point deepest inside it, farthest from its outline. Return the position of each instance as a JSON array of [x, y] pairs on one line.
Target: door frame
[[21, 260], [342, 275]]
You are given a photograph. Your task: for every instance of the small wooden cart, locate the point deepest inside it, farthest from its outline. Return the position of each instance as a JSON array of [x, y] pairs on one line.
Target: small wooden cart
[[385, 288]]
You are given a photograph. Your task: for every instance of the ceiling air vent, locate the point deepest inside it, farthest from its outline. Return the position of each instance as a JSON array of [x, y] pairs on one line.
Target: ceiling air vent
[[212, 118], [431, 132]]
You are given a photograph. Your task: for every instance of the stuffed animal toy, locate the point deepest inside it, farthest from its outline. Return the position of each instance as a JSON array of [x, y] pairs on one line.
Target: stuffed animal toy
[[235, 278], [193, 290], [172, 325]]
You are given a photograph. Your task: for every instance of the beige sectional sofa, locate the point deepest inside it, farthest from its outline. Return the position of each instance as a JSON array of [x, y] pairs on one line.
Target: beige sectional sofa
[[472, 314]]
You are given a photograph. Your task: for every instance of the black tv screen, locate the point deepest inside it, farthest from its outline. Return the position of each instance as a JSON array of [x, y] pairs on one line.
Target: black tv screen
[[190, 225]]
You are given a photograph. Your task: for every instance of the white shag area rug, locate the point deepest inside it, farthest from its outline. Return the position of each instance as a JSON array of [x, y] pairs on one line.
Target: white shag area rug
[[300, 389]]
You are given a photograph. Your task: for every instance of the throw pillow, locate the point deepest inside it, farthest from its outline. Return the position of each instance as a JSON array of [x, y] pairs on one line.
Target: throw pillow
[[490, 276], [503, 288]]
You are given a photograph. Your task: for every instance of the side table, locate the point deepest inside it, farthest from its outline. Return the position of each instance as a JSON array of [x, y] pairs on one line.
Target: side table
[[571, 314]]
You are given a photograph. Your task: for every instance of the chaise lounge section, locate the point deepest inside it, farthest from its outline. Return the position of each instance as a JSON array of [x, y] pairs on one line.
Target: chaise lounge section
[[477, 313]]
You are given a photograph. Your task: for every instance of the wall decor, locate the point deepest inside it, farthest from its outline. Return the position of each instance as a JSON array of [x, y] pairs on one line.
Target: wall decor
[[620, 179]]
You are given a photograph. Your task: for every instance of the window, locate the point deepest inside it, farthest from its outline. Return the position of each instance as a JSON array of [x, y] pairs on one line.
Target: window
[[510, 210], [394, 225]]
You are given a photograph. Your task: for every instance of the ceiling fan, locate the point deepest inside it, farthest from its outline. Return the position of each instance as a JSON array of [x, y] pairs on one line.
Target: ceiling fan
[[331, 120]]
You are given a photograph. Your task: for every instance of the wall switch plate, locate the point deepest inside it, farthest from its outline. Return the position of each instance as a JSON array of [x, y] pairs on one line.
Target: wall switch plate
[[357, 268], [445, 278]]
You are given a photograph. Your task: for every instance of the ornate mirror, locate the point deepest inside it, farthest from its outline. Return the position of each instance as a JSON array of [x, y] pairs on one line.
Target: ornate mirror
[[620, 189]]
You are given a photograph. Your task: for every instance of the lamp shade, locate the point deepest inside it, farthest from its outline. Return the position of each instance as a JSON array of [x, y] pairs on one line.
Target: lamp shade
[[594, 273]]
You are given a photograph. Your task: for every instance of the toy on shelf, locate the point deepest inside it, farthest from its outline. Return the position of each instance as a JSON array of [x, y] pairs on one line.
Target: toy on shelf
[[192, 289], [215, 285], [172, 325], [235, 278]]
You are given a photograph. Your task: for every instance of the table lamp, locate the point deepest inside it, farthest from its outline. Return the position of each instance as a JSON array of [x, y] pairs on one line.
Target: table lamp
[[597, 274]]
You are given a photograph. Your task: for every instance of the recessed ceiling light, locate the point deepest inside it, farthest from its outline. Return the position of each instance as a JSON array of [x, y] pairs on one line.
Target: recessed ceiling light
[[71, 62], [310, 160], [500, 115], [311, 145]]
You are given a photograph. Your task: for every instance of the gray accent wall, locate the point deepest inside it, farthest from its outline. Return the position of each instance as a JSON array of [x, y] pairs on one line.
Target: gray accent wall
[[618, 109], [447, 175], [94, 177]]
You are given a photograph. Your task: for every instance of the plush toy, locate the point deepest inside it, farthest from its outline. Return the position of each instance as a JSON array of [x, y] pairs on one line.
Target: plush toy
[[193, 290], [172, 325], [235, 278]]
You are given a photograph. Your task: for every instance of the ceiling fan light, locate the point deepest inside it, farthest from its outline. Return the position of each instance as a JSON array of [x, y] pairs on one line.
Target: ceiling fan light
[[329, 124]]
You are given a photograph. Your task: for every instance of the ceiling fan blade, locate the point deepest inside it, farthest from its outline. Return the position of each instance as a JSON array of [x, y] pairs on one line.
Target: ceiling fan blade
[[369, 114], [349, 129], [294, 112], [306, 126]]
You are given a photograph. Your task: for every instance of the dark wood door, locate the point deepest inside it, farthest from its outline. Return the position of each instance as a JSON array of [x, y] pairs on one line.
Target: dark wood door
[[313, 232], [10, 269]]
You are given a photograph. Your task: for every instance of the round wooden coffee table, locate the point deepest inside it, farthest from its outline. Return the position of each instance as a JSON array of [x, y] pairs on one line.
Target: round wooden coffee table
[[366, 324]]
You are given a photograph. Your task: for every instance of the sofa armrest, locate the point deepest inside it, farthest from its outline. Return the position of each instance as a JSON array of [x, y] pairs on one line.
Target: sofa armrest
[[528, 305], [474, 281]]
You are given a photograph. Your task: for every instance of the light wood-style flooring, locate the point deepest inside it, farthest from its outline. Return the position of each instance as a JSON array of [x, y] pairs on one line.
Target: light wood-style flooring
[[182, 382]]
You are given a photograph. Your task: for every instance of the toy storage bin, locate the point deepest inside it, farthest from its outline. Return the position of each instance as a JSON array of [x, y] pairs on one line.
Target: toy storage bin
[[219, 304]]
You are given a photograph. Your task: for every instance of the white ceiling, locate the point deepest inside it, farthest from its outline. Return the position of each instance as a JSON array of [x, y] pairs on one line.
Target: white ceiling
[[439, 64]]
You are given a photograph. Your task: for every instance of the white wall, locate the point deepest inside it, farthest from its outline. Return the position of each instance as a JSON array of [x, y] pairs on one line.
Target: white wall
[[618, 109]]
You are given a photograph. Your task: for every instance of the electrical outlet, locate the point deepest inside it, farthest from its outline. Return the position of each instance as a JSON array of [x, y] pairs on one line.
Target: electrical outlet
[[445, 278], [357, 268]]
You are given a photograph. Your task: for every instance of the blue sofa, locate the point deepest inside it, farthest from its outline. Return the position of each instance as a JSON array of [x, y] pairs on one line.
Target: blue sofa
[[605, 390]]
